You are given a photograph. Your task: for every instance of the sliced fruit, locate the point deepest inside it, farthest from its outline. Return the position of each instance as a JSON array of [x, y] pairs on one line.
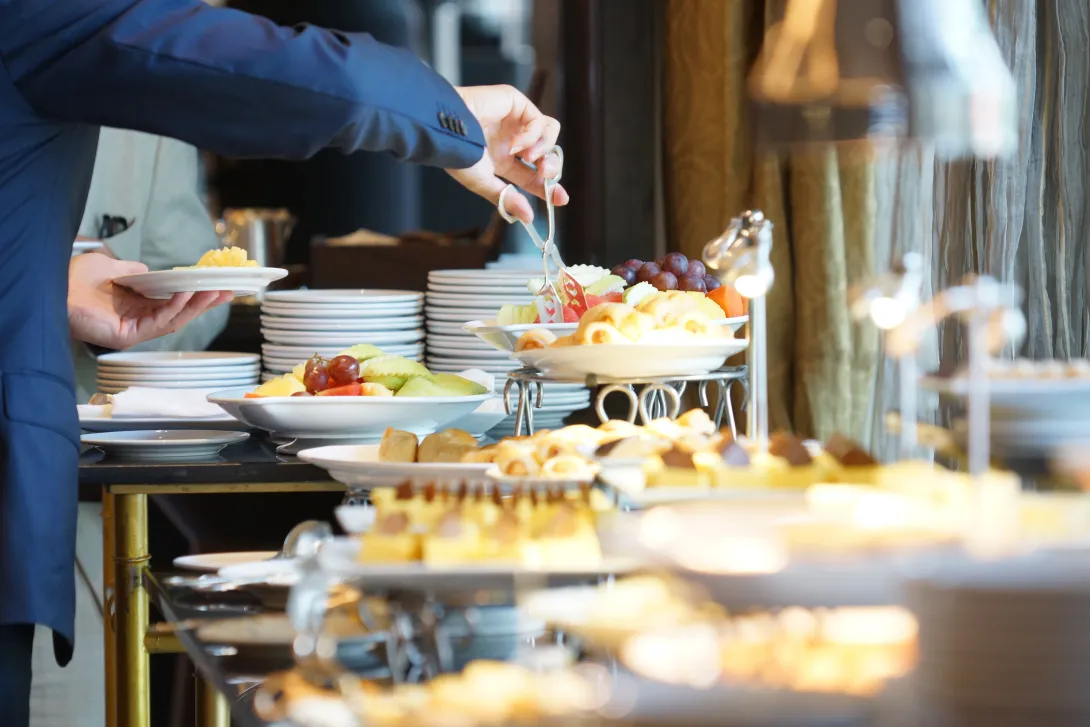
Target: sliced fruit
[[571, 315], [420, 387], [286, 385], [353, 389], [454, 385], [374, 390], [593, 300], [727, 298], [362, 352], [634, 295], [392, 371], [516, 315], [609, 284]]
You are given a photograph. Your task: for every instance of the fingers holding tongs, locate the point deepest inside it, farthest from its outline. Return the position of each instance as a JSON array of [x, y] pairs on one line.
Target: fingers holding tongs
[[550, 181]]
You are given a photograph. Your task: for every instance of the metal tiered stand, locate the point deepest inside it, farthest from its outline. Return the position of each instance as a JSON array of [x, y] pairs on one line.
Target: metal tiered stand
[[659, 397]]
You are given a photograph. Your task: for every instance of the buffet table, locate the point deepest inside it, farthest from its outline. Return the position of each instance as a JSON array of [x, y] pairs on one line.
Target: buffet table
[[252, 466]]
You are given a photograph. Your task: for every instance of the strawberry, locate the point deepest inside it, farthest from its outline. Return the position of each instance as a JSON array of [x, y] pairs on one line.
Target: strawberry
[[593, 300]]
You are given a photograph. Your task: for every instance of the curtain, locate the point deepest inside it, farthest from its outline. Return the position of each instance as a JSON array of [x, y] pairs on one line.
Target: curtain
[[841, 215]]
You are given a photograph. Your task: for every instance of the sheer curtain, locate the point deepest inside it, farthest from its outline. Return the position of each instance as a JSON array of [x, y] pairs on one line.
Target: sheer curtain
[[841, 215]]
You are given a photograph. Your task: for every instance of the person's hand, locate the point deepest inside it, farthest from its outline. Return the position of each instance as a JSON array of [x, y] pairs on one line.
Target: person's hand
[[513, 127], [107, 315]]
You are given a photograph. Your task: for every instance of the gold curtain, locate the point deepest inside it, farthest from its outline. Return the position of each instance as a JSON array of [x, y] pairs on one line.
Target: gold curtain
[[823, 206]]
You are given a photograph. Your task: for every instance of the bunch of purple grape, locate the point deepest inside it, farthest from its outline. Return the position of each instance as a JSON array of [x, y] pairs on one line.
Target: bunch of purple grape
[[673, 272]]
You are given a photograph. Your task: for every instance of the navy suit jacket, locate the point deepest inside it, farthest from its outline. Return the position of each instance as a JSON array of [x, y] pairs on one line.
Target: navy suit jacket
[[219, 79]]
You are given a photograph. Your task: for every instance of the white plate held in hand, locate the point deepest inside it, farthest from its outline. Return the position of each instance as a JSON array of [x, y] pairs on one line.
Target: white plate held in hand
[[163, 284]]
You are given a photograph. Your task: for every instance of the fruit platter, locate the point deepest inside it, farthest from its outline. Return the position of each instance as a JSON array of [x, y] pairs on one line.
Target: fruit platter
[[584, 287], [355, 396]]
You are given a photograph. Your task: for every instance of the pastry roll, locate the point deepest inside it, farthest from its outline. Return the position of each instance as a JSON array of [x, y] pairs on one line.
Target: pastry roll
[[535, 339], [698, 421], [625, 319], [566, 466], [598, 333], [563, 341], [516, 459]]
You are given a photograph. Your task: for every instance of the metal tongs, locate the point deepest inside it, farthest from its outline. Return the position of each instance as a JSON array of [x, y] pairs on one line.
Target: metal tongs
[[547, 246]]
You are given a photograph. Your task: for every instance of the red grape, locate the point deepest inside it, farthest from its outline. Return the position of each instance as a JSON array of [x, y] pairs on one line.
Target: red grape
[[317, 379], [648, 271], [660, 262], [343, 370], [711, 283], [697, 269], [665, 281], [314, 362], [691, 283], [634, 264], [676, 263], [627, 273]]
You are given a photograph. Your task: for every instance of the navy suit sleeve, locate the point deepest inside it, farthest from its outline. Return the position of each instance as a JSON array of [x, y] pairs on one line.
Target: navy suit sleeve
[[231, 82]]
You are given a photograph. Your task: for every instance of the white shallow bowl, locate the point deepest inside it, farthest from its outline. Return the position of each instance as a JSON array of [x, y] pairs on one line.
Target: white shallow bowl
[[633, 360], [163, 445], [335, 416], [324, 324], [359, 466], [504, 338], [343, 339], [163, 284], [332, 296], [177, 359]]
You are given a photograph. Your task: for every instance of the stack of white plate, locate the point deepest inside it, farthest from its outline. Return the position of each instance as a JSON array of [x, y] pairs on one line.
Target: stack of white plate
[[176, 370], [1005, 642], [456, 297], [296, 324]]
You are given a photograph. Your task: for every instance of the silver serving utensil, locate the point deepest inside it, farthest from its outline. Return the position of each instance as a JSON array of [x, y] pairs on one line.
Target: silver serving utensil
[[304, 540], [547, 246]]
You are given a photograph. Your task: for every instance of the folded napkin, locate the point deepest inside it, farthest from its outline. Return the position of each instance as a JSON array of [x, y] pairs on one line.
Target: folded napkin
[[141, 402]]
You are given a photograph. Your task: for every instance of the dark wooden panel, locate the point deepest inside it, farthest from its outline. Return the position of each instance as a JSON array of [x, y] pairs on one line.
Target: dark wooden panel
[[609, 56]]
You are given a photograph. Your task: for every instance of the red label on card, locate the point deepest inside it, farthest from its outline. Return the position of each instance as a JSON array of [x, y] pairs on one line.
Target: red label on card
[[574, 293]]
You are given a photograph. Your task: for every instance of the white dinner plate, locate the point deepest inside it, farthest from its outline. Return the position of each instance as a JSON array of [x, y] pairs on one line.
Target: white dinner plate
[[213, 562], [164, 373], [96, 418], [633, 360], [463, 342], [477, 276], [209, 382], [504, 338], [162, 284], [196, 375], [341, 338], [393, 323], [359, 466], [350, 312], [163, 445], [334, 416], [81, 246], [301, 353], [459, 315], [481, 288], [460, 352], [331, 296], [176, 359], [466, 363], [1028, 398]]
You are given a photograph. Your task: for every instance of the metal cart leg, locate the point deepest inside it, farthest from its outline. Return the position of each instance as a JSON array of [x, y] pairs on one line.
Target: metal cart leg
[[108, 607], [213, 709], [132, 684]]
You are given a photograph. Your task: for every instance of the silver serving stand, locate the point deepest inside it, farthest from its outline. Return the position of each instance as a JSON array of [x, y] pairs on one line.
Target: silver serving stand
[[659, 397]]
